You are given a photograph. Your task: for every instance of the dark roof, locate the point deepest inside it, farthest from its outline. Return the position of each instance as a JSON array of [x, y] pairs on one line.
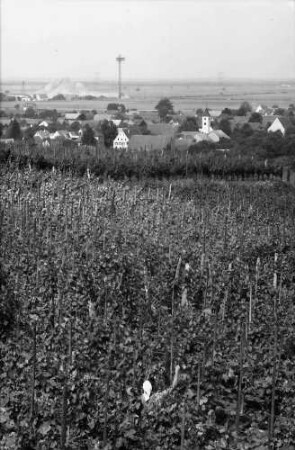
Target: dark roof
[[256, 126], [187, 134], [285, 121], [148, 142], [267, 120], [164, 129], [238, 121]]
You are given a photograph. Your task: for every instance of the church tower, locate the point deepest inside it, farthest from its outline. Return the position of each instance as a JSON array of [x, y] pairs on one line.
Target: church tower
[[206, 123]]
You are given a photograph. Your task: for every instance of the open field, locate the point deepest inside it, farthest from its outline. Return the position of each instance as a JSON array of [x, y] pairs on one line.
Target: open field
[[106, 284], [186, 96]]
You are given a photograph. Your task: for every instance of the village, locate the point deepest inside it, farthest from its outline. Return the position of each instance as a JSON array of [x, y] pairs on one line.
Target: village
[[136, 129]]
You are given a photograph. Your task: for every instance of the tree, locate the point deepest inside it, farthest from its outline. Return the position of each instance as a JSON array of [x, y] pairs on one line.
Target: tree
[[29, 134], [88, 136], [227, 112], [189, 124], [244, 109], [82, 116], [58, 97], [14, 131], [273, 144], [49, 114], [242, 132], [279, 111], [75, 126], [164, 107], [255, 117], [116, 107], [109, 131], [30, 113], [225, 126]]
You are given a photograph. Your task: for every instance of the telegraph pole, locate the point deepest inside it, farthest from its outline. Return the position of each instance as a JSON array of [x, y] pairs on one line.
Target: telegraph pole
[[119, 59]]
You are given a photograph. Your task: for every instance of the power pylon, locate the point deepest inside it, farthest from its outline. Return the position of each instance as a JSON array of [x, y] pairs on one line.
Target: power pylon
[[120, 59]]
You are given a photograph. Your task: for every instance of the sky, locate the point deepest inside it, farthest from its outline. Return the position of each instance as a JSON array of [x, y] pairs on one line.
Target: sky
[[160, 39]]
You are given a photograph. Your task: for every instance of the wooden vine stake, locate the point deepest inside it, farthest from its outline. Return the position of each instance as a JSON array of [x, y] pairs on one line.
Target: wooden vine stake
[[34, 360], [275, 362], [199, 385], [239, 399], [175, 281], [63, 434], [250, 308], [182, 428], [107, 390], [275, 273], [169, 194], [257, 273]]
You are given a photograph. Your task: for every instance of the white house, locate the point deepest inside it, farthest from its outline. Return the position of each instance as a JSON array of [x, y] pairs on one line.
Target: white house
[[72, 116], [280, 124], [42, 135], [260, 109], [121, 141]]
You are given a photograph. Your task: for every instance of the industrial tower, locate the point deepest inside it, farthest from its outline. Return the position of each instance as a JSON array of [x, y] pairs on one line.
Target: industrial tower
[[119, 59]]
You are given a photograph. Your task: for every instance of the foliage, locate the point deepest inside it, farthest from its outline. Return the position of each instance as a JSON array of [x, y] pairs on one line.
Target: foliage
[[227, 112], [8, 303], [225, 126], [164, 107], [244, 108], [50, 114], [255, 117], [30, 112], [116, 107], [100, 271], [75, 126], [58, 97], [88, 136], [14, 131], [189, 124], [244, 159], [109, 131]]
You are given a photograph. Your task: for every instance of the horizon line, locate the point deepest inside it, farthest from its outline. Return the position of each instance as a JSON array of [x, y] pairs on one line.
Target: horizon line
[[224, 79]]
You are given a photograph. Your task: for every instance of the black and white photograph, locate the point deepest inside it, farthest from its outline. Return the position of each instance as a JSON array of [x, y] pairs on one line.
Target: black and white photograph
[[147, 225]]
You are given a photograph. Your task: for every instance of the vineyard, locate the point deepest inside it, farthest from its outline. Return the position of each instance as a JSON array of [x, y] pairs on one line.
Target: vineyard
[[107, 284]]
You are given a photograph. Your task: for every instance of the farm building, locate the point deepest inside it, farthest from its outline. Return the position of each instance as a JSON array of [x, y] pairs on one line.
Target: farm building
[[148, 142], [121, 140], [165, 129], [100, 117], [72, 116]]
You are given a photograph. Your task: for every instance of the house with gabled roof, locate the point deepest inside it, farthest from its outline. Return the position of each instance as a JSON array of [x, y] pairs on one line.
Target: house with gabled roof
[[280, 124], [43, 124], [121, 140], [42, 135]]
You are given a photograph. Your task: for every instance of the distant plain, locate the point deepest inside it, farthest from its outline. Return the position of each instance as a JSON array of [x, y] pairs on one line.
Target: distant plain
[[186, 96]]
